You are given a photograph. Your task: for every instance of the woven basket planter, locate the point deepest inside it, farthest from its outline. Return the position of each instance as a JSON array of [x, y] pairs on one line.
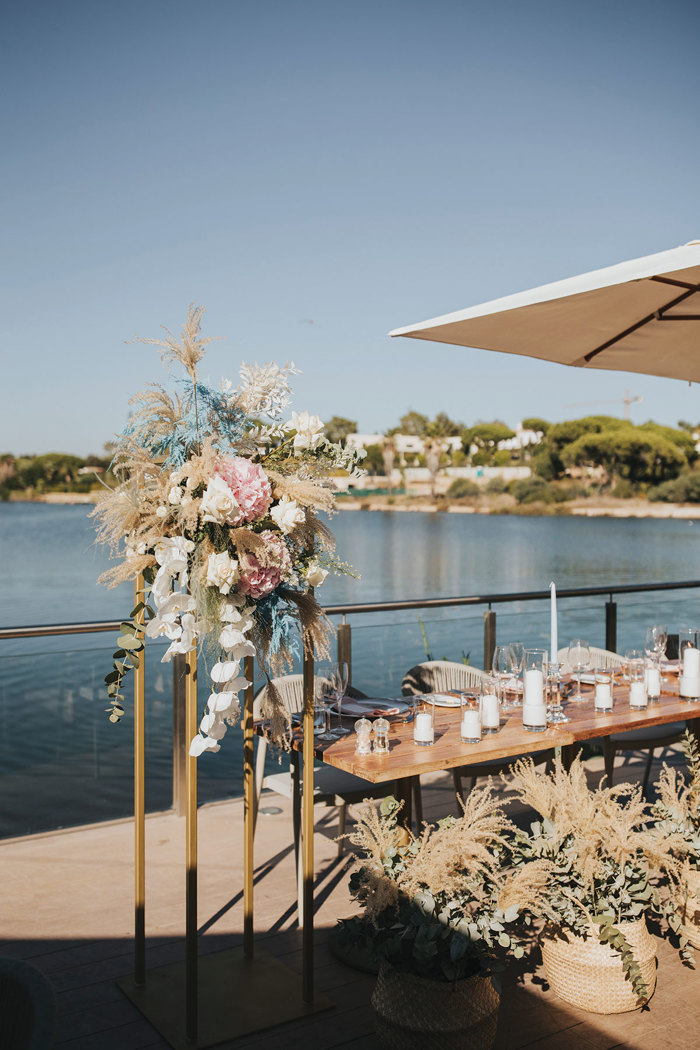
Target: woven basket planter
[[691, 927], [589, 974], [414, 1013]]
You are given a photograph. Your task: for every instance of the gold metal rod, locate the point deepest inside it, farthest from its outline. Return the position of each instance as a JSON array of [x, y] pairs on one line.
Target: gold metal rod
[[307, 820], [191, 979], [139, 799], [248, 815]]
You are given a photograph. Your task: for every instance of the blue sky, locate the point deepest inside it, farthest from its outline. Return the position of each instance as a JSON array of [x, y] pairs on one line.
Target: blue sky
[[318, 173]]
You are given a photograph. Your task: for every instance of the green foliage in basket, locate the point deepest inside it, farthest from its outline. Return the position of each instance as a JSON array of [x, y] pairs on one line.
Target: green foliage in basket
[[591, 862], [430, 903], [678, 808]]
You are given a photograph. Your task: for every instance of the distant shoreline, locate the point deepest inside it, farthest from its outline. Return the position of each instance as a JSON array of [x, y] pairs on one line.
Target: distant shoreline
[[602, 508]]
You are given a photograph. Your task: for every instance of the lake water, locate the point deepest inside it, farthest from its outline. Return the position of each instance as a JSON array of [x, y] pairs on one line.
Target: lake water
[[61, 761]]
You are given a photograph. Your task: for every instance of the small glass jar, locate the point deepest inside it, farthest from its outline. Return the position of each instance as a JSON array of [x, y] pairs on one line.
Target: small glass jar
[[363, 743], [604, 682], [534, 706], [490, 707], [470, 719], [638, 685], [381, 736], [555, 710], [424, 726], [689, 654]]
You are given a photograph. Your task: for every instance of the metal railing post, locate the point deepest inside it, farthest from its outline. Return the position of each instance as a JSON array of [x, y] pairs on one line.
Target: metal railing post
[[611, 625], [179, 733], [345, 648], [489, 637]]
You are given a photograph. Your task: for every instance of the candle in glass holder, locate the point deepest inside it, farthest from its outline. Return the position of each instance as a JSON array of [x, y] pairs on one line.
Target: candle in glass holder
[[638, 686], [423, 730], [653, 680], [603, 691], [689, 642], [534, 707], [470, 726], [490, 711]]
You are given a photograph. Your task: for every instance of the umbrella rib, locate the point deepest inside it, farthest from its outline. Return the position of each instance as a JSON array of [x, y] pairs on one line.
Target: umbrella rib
[[656, 315]]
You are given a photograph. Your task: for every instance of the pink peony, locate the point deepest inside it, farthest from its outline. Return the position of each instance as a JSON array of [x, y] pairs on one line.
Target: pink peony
[[249, 485], [260, 573]]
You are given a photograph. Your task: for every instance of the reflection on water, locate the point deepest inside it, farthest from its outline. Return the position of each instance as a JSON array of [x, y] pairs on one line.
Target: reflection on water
[[63, 763]]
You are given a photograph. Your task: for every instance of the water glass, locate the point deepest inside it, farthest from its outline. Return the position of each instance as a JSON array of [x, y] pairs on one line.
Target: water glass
[[501, 666], [579, 658], [322, 718], [470, 719]]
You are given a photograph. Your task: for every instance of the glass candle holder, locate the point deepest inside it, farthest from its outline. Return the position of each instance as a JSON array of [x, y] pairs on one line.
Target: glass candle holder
[[490, 707], [555, 711], [534, 706], [470, 719], [424, 726], [689, 654], [381, 736], [653, 681], [604, 682], [638, 685], [363, 743]]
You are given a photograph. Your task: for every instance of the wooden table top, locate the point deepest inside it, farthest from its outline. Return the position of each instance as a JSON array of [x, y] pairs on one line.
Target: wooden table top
[[406, 759]]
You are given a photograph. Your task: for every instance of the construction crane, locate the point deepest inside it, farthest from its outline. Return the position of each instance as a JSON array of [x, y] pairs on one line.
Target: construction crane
[[627, 400]]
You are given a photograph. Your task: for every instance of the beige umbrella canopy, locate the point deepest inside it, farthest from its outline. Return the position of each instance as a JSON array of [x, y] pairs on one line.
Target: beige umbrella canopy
[[639, 316]]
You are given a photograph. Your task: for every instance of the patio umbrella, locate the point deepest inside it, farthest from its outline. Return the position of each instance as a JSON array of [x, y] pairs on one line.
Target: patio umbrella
[[639, 316]]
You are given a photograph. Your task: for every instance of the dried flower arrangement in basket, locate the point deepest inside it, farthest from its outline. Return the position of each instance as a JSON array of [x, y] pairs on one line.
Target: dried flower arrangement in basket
[[593, 867]]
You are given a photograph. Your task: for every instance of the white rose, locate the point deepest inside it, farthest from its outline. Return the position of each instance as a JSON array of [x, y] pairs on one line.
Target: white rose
[[222, 571], [161, 512], [287, 514], [218, 502], [315, 574], [309, 430], [175, 495]]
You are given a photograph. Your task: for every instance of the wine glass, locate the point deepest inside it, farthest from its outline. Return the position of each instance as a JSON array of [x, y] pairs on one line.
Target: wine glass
[[501, 667], [517, 662], [322, 727], [655, 643], [578, 656], [338, 679]]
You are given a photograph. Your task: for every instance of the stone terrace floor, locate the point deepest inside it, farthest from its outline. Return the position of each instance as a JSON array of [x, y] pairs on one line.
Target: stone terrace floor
[[67, 908]]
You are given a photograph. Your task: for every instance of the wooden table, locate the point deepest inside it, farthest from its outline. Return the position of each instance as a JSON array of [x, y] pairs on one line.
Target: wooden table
[[406, 759]]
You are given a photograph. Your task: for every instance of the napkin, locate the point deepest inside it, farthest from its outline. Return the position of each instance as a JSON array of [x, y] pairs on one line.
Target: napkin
[[364, 708]]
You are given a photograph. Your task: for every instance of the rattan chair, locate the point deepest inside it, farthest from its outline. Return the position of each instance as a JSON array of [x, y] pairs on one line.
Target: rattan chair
[[647, 740], [437, 676], [332, 787]]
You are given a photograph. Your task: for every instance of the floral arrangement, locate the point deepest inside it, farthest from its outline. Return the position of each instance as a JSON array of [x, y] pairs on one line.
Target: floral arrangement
[[430, 903], [219, 505], [592, 861]]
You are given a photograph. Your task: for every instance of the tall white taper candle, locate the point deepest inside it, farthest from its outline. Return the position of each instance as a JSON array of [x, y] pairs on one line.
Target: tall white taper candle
[[554, 634]]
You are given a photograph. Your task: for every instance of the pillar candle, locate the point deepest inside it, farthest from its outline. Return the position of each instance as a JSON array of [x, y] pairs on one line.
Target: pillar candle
[[691, 662], [554, 633], [423, 732], [603, 696], [533, 688], [471, 724], [638, 694], [653, 677], [489, 711]]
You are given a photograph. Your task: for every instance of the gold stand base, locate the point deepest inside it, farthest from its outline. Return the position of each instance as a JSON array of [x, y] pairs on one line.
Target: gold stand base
[[237, 996]]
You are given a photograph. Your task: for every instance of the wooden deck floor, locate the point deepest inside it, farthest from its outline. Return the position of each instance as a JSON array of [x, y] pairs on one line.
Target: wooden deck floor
[[66, 907]]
